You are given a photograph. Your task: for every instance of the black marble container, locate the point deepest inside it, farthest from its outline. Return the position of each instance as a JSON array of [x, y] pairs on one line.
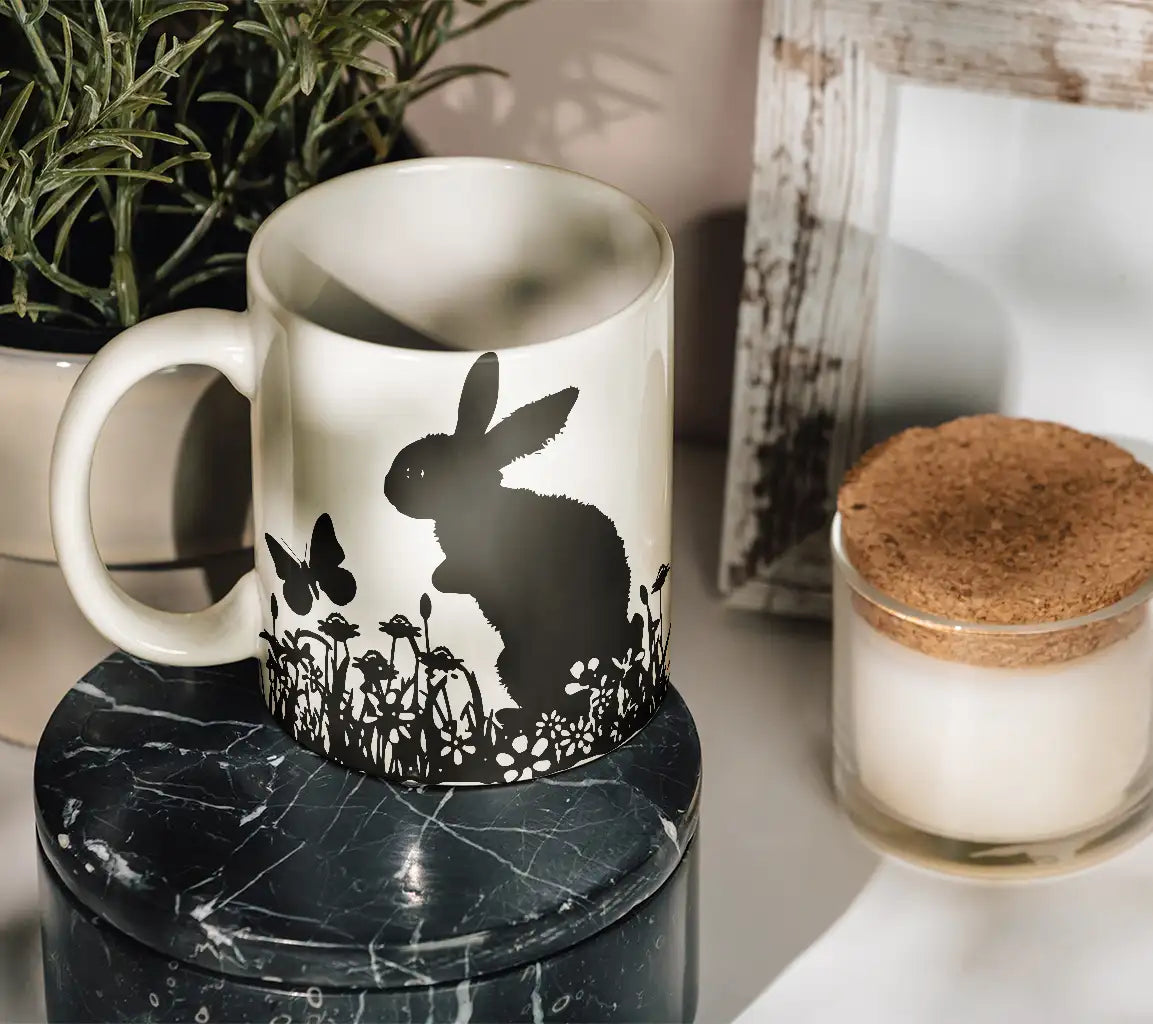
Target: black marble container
[[198, 865]]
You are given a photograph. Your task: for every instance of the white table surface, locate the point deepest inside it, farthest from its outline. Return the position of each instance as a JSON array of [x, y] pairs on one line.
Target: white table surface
[[778, 865]]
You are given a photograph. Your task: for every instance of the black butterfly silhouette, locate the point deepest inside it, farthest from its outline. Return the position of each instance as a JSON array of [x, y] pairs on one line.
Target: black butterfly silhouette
[[319, 572]]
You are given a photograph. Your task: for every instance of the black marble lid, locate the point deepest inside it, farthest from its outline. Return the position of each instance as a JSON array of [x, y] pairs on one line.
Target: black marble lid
[[172, 805]]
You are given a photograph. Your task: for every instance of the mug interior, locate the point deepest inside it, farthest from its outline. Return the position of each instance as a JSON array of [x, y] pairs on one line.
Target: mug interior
[[459, 253]]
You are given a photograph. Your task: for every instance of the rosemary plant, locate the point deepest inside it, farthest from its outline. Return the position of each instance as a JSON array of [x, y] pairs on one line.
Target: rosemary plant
[[143, 141]]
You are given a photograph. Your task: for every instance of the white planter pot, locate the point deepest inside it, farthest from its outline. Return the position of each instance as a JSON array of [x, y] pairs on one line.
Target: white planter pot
[[172, 474]]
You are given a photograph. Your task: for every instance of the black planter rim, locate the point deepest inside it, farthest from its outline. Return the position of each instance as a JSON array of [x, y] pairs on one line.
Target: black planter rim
[[21, 335]]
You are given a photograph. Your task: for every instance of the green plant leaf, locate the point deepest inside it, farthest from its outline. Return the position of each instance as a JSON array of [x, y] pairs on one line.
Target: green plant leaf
[[205, 6], [363, 63], [488, 17], [231, 97], [65, 227], [20, 291], [8, 125], [6, 182], [355, 108], [33, 18], [442, 76], [49, 307], [306, 58], [178, 161], [221, 258], [200, 276], [97, 140], [367, 28], [50, 179], [66, 85], [55, 206], [255, 28], [43, 135], [124, 287], [136, 97], [105, 66], [114, 172], [89, 107], [122, 82], [80, 34], [276, 24], [148, 133]]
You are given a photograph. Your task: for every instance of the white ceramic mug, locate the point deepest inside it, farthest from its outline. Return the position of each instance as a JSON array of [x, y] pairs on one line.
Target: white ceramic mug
[[461, 382]]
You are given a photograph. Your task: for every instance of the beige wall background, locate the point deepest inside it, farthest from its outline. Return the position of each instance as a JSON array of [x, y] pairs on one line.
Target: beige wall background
[[656, 97]]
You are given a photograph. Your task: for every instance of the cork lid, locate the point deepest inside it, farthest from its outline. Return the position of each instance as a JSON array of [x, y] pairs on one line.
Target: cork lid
[[1000, 521]]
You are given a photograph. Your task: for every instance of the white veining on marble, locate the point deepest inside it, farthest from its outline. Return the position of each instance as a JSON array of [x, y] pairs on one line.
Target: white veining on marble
[[114, 863], [463, 1001], [255, 813], [135, 709], [71, 808], [537, 1006]]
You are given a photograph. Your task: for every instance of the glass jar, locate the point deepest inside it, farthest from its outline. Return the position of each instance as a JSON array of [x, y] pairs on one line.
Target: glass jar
[[997, 751]]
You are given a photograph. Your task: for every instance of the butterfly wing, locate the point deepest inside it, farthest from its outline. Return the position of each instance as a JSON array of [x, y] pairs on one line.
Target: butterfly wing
[[297, 591], [324, 557]]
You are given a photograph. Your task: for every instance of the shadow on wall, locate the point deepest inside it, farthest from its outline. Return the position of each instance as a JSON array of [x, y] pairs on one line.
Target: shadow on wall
[[943, 346], [584, 80], [709, 268]]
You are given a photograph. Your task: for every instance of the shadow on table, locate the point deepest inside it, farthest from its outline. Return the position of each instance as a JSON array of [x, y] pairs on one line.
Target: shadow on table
[[778, 864], [21, 973]]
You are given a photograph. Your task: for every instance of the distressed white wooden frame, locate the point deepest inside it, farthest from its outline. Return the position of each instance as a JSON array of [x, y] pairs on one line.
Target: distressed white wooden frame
[[817, 208]]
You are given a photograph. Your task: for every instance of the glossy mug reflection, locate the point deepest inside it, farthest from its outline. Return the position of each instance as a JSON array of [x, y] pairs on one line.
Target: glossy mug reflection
[[460, 372]]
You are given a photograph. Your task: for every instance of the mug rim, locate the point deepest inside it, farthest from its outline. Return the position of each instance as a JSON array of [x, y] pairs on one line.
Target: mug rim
[[898, 609], [661, 276]]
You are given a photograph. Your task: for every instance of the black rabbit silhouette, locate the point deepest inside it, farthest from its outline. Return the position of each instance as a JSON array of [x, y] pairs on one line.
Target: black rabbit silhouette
[[550, 574]]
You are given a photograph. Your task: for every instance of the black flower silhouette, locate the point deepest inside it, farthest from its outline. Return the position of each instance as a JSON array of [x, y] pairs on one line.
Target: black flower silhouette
[[404, 722], [293, 652], [338, 627], [377, 670], [389, 709], [399, 628], [440, 659]]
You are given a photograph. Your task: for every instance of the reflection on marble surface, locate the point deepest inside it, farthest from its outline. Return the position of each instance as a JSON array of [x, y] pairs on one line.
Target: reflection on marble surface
[[176, 811]]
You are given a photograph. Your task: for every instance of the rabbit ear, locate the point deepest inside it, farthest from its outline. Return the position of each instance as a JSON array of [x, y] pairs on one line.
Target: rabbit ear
[[478, 397], [530, 428]]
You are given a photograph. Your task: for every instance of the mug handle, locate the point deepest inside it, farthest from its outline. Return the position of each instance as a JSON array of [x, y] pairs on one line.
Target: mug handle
[[226, 631]]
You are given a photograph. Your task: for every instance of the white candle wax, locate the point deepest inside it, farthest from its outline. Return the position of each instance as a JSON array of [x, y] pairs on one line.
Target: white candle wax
[[1001, 755]]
